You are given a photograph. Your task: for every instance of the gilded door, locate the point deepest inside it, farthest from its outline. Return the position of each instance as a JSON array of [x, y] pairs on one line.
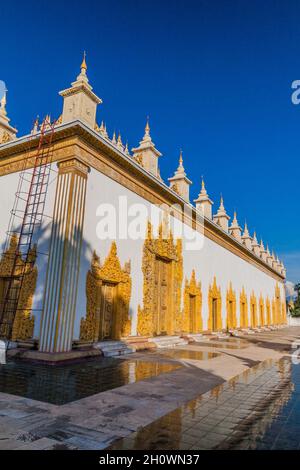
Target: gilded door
[[192, 313], [253, 322], [243, 314], [214, 314], [262, 320], [230, 315], [107, 310], [161, 302]]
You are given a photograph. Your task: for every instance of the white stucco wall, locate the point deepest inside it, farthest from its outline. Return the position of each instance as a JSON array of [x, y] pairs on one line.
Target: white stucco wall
[[8, 188], [209, 261]]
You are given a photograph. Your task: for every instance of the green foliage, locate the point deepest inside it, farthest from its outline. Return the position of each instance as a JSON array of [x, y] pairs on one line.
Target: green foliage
[[295, 308]]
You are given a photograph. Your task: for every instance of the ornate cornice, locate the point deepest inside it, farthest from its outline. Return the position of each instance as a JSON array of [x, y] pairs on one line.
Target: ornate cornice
[[77, 139]]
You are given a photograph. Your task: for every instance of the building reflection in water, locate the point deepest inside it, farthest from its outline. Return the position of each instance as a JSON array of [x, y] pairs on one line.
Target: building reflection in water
[[63, 384], [236, 414]]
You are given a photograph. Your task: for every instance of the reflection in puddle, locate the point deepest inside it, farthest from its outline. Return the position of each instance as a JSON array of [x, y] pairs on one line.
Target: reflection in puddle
[[67, 383], [188, 354], [221, 344], [259, 409]]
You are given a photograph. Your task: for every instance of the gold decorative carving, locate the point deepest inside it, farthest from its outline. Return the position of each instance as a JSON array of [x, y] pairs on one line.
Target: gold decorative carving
[[277, 306], [139, 159], [274, 320], [112, 273], [243, 309], [5, 138], [214, 307], [283, 312], [268, 311], [23, 324], [253, 310], [231, 308], [107, 161], [192, 317], [261, 311], [155, 249]]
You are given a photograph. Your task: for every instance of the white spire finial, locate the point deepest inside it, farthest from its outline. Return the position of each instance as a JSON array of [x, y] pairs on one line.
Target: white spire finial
[[222, 208], [83, 63], [3, 104]]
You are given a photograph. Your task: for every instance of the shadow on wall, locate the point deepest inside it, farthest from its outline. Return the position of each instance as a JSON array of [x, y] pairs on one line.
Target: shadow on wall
[[44, 241]]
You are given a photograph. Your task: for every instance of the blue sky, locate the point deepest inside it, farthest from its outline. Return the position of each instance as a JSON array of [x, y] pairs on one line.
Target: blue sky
[[214, 77]]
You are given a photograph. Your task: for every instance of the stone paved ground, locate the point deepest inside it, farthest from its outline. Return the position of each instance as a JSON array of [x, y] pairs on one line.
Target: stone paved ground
[[98, 421]]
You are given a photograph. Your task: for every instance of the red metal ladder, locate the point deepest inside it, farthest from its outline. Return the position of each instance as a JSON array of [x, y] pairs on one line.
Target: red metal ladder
[[29, 206]]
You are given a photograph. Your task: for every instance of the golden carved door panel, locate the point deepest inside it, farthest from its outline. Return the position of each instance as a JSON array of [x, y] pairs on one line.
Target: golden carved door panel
[[107, 310], [243, 315], [253, 323], [214, 314], [192, 314], [161, 303], [230, 319]]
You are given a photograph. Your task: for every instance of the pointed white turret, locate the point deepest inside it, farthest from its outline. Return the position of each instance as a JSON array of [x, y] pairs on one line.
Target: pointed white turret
[[7, 132], [203, 202], [246, 239], [221, 218], [234, 229], [120, 143], [263, 251], [146, 154], [126, 151], [114, 139], [180, 182], [269, 257], [79, 100], [274, 264], [255, 245]]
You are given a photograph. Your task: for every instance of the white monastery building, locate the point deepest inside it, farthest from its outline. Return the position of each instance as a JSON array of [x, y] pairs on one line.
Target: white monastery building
[[75, 271]]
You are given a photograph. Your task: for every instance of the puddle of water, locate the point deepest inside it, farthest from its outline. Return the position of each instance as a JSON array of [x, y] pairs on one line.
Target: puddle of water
[[228, 344], [188, 354], [260, 409], [66, 383]]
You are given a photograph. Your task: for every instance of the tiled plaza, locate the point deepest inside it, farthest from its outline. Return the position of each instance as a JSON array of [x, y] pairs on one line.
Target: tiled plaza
[[237, 394]]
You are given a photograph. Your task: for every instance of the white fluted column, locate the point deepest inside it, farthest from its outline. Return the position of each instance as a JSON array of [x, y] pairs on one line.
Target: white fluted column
[[59, 308]]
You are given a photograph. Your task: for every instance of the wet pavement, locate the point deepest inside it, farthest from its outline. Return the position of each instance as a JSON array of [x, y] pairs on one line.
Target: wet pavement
[[260, 409], [186, 354], [66, 383], [247, 397]]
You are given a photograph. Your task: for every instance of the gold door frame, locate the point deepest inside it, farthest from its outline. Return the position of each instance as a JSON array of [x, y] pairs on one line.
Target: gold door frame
[[214, 293], [262, 317], [166, 248], [277, 300], [231, 303], [110, 272], [192, 288], [253, 310], [23, 325], [243, 309], [268, 311]]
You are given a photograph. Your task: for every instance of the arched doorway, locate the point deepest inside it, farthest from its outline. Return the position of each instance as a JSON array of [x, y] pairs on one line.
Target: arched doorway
[[253, 310], [108, 289], [162, 270], [231, 307], [192, 318], [214, 307], [261, 311], [243, 309]]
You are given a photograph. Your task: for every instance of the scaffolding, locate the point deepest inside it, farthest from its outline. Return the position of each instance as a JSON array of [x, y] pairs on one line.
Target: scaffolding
[[26, 218]]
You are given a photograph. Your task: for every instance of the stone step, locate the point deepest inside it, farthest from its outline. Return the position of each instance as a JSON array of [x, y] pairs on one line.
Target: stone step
[[196, 338], [139, 343], [168, 341], [113, 348]]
